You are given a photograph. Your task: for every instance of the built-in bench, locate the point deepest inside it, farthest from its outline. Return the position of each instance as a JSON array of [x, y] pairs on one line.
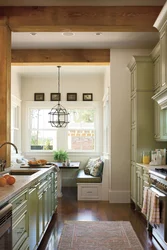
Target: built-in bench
[[92, 187], [88, 187]]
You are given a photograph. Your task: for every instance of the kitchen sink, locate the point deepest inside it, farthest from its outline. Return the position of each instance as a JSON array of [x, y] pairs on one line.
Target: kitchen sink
[[15, 172]]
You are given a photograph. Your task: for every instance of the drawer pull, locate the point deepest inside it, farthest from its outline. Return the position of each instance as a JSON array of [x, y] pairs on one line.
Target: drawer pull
[[19, 232], [89, 192], [19, 202]]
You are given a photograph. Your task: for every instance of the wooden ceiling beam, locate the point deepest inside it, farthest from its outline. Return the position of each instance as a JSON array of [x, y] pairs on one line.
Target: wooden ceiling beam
[[81, 18], [63, 56]]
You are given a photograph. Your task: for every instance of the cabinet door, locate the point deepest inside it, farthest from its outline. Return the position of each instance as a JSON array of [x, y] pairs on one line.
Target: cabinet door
[[133, 181], [46, 207], [53, 191], [33, 220], [49, 203], [20, 230], [40, 215], [163, 124], [56, 193], [133, 110], [157, 74], [160, 123], [133, 144], [139, 186], [157, 121]]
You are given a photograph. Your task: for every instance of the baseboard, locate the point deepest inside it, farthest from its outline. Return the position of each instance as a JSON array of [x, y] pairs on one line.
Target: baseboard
[[119, 196]]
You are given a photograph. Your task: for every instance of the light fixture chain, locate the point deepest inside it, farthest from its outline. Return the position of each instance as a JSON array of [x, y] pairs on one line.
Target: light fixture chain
[[59, 79]]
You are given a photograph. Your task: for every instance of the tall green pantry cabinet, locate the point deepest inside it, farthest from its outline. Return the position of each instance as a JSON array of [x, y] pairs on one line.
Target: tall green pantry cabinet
[[142, 117]]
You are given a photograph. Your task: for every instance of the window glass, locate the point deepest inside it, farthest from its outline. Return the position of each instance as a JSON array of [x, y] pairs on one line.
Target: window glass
[[81, 130], [79, 135], [41, 135]]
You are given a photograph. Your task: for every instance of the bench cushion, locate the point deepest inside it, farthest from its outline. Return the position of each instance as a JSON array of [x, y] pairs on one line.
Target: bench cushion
[[84, 178]]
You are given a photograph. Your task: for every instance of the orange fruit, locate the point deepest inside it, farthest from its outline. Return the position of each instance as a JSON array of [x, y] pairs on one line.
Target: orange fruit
[[11, 180], [6, 176], [2, 181]]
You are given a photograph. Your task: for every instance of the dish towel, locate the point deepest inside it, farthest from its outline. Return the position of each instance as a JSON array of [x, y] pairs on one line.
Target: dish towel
[[145, 202], [154, 209], [151, 206]]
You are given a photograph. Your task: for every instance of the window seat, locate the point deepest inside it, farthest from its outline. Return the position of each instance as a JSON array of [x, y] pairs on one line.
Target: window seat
[[91, 187], [85, 178]]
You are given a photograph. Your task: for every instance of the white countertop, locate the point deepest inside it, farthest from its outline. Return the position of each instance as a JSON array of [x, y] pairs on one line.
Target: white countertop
[[148, 166]]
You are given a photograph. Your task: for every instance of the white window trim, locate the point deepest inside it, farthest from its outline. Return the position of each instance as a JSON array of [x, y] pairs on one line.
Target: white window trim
[[68, 105], [16, 103]]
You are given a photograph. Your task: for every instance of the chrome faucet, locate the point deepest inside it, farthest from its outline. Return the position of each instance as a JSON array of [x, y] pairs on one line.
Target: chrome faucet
[[10, 144]]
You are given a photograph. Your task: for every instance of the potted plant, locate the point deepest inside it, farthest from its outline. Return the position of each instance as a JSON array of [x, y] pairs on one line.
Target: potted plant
[[60, 155]]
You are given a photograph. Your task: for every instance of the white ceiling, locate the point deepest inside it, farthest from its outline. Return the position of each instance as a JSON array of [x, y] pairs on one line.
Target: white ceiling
[[36, 71], [83, 40]]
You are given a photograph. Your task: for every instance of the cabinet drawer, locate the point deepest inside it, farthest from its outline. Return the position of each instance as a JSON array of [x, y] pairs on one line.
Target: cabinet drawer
[[89, 192], [20, 230], [18, 201]]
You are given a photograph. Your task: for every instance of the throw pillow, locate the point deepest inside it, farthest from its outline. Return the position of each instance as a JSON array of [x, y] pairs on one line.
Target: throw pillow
[[97, 168], [89, 165]]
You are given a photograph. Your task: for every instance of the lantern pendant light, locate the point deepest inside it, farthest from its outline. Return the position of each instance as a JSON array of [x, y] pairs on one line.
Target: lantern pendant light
[[58, 116]]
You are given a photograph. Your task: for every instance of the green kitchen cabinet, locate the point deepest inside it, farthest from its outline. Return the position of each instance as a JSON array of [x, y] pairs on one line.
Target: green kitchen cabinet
[[142, 117], [32, 210], [160, 116]]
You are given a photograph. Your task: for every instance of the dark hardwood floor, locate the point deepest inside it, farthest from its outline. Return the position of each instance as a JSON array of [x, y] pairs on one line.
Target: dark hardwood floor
[[70, 209]]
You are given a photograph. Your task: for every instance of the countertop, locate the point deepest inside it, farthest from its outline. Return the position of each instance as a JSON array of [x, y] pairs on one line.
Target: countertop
[[148, 166], [22, 181]]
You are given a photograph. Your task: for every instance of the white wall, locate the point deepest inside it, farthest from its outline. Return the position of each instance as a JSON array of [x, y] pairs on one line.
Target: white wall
[[15, 84], [79, 83], [76, 83], [120, 124]]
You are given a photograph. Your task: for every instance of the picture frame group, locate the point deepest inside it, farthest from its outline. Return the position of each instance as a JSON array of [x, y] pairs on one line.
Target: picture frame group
[[57, 97]]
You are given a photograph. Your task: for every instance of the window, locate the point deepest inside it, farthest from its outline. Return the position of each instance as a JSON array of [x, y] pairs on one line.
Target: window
[[42, 136], [81, 134], [81, 130]]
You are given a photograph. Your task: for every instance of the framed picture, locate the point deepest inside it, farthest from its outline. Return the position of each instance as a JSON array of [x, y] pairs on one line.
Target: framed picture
[[87, 97], [39, 97], [55, 96], [71, 96]]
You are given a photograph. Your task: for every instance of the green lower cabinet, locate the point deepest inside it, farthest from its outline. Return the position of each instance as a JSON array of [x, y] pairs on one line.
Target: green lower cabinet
[[32, 211]]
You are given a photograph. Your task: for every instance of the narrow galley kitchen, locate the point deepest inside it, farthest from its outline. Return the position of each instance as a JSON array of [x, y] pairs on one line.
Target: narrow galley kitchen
[[81, 87]]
